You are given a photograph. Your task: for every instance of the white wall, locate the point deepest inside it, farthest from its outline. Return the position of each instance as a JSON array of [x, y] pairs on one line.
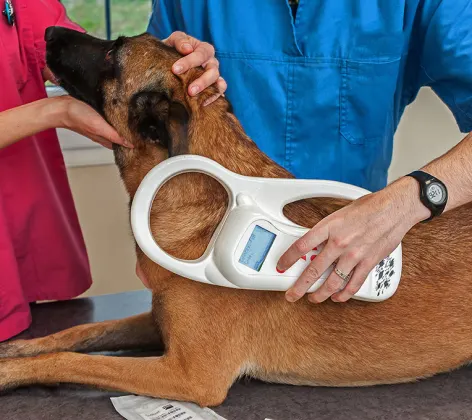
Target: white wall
[[426, 131], [102, 206]]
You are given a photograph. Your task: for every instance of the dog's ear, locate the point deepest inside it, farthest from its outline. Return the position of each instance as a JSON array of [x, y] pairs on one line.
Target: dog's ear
[[155, 117]]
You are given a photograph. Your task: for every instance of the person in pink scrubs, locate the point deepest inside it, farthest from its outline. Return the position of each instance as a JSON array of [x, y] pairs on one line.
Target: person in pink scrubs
[[42, 251]]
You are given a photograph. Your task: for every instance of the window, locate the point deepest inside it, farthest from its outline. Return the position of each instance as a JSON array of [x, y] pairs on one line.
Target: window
[[103, 19], [110, 18]]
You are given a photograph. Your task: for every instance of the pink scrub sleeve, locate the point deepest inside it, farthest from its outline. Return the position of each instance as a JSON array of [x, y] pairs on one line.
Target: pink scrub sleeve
[[42, 250]]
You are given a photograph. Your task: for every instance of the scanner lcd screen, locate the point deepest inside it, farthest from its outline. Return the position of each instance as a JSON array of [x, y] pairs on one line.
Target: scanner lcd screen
[[257, 248]]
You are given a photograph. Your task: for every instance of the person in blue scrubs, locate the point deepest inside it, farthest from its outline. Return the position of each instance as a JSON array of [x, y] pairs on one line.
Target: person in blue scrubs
[[321, 86]]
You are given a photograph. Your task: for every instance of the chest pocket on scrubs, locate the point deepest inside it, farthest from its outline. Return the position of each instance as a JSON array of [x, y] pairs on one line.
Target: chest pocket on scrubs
[[18, 44], [367, 99]]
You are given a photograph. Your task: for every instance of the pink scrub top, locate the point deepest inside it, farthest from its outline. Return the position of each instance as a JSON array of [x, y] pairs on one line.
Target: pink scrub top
[[42, 251]]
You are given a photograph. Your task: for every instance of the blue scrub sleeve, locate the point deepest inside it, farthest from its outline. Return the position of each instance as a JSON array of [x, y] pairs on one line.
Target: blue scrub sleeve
[[162, 22], [446, 59]]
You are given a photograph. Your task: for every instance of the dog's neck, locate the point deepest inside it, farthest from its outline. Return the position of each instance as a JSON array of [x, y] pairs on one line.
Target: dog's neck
[[217, 134], [189, 207]]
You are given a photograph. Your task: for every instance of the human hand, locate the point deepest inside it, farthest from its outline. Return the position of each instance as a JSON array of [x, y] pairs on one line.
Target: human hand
[[48, 75], [83, 119], [356, 238], [197, 54]]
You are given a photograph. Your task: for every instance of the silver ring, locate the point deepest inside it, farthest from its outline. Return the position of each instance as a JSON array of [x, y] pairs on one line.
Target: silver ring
[[344, 276]]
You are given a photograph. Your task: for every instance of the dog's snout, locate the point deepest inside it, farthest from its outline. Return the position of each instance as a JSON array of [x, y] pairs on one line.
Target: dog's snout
[[49, 34]]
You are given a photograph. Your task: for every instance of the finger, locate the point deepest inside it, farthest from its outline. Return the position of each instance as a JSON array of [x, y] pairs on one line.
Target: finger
[[212, 62], [358, 278], [334, 283], [211, 99], [302, 246], [221, 85], [201, 54], [49, 75], [106, 132], [183, 43], [312, 273], [106, 144], [103, 142], [209, 77]]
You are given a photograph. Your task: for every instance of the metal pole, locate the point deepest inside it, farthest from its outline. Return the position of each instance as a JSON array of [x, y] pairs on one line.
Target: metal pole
[[108, 18]]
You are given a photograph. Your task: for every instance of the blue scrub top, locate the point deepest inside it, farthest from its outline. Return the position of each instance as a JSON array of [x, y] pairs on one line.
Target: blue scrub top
[[323, 95]]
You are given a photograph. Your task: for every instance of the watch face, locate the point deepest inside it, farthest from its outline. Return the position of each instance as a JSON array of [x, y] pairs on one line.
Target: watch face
[[436, 193]]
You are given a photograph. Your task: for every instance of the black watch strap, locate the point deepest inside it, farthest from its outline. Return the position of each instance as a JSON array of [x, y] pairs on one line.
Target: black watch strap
[[433, 193]]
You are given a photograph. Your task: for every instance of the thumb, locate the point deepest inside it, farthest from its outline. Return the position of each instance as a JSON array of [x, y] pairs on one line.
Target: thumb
[[48, 75], [107, 132]]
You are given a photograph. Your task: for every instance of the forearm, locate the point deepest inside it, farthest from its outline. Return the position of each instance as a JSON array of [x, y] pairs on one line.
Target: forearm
[[453, 168], [26, 120]]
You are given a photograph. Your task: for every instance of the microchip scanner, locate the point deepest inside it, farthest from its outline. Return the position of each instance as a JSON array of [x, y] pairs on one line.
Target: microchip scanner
[[254, 232]]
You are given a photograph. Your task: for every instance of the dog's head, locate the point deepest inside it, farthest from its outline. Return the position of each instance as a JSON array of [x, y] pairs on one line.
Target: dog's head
[[129, 81]]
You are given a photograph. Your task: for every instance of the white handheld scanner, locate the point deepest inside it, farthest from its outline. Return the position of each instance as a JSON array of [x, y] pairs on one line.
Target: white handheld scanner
[[254, 233]]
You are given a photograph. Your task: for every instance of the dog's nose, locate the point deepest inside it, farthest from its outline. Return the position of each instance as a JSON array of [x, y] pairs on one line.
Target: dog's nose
[[49, 34]]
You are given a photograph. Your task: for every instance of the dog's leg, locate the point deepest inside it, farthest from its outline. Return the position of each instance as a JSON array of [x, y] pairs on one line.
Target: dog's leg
[[200, 380], [138, 331]]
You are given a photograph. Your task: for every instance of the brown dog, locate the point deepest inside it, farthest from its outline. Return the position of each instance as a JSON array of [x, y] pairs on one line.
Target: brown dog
[[213, 335]]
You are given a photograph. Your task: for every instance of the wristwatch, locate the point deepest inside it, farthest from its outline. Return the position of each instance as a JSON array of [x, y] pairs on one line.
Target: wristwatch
[[433, 193]]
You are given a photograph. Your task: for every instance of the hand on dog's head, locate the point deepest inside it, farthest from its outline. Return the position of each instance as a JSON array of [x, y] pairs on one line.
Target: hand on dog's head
[[130, 83]]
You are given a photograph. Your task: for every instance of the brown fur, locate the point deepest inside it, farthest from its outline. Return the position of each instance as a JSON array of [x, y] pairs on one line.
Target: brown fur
[[213, 335]]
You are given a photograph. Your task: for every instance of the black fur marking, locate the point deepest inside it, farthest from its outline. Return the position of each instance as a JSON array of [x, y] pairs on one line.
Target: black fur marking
[[179, 120], [155, 118], [146, 116], [81, 63]]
